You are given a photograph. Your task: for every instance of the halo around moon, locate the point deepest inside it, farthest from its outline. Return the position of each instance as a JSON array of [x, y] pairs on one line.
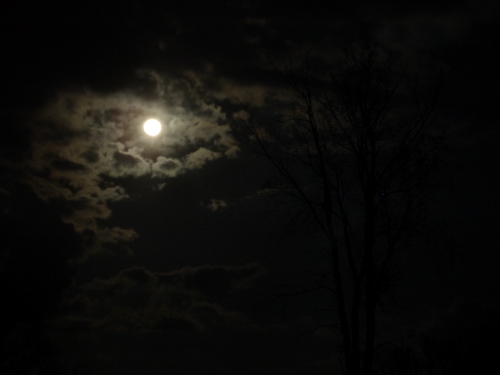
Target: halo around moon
[[152, 127]]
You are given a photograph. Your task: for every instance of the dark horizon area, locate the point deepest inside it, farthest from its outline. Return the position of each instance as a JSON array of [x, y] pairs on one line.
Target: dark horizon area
[[125, 253]]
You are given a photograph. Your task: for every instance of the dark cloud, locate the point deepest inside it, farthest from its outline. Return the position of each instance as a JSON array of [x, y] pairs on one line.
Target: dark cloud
[[126, 160], [140, 275], [62, 164], [168, 165], [90, 156], [212, 280], [171, 317], [137, 300]]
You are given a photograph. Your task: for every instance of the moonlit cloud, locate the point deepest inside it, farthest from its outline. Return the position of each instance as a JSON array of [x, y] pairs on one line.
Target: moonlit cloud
[[217, 204], [84, 141], [166, 167]]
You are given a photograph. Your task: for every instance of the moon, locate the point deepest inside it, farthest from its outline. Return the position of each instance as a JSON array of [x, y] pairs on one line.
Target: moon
[[152, 127]]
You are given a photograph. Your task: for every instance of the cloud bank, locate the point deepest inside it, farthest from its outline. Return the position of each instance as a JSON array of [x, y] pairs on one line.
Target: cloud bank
[[140, 301]]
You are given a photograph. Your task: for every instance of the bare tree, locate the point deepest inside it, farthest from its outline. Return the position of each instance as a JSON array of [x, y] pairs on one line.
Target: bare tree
[[356, 153]]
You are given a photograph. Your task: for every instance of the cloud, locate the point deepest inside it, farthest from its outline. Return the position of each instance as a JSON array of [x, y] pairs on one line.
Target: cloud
[[166, 167], [226, 278], [83, 142], [199, 158], [192, 299], [216, 204]]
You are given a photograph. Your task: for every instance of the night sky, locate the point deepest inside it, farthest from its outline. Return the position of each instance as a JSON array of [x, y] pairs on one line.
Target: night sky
[[130, 254]]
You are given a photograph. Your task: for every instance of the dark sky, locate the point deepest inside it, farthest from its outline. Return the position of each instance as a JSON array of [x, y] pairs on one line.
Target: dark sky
[[155, 255]]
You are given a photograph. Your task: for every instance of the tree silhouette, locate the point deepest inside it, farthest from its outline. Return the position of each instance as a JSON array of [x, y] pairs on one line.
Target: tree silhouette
[[355, 156]]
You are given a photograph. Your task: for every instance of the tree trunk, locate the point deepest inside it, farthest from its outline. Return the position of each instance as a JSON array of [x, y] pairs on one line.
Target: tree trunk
[[370, 280]]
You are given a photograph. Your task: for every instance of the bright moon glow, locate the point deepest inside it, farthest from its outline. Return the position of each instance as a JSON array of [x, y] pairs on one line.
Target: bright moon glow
[[152, 127]]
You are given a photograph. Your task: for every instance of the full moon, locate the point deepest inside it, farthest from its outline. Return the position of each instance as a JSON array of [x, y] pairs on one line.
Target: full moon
[[152, 127]]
